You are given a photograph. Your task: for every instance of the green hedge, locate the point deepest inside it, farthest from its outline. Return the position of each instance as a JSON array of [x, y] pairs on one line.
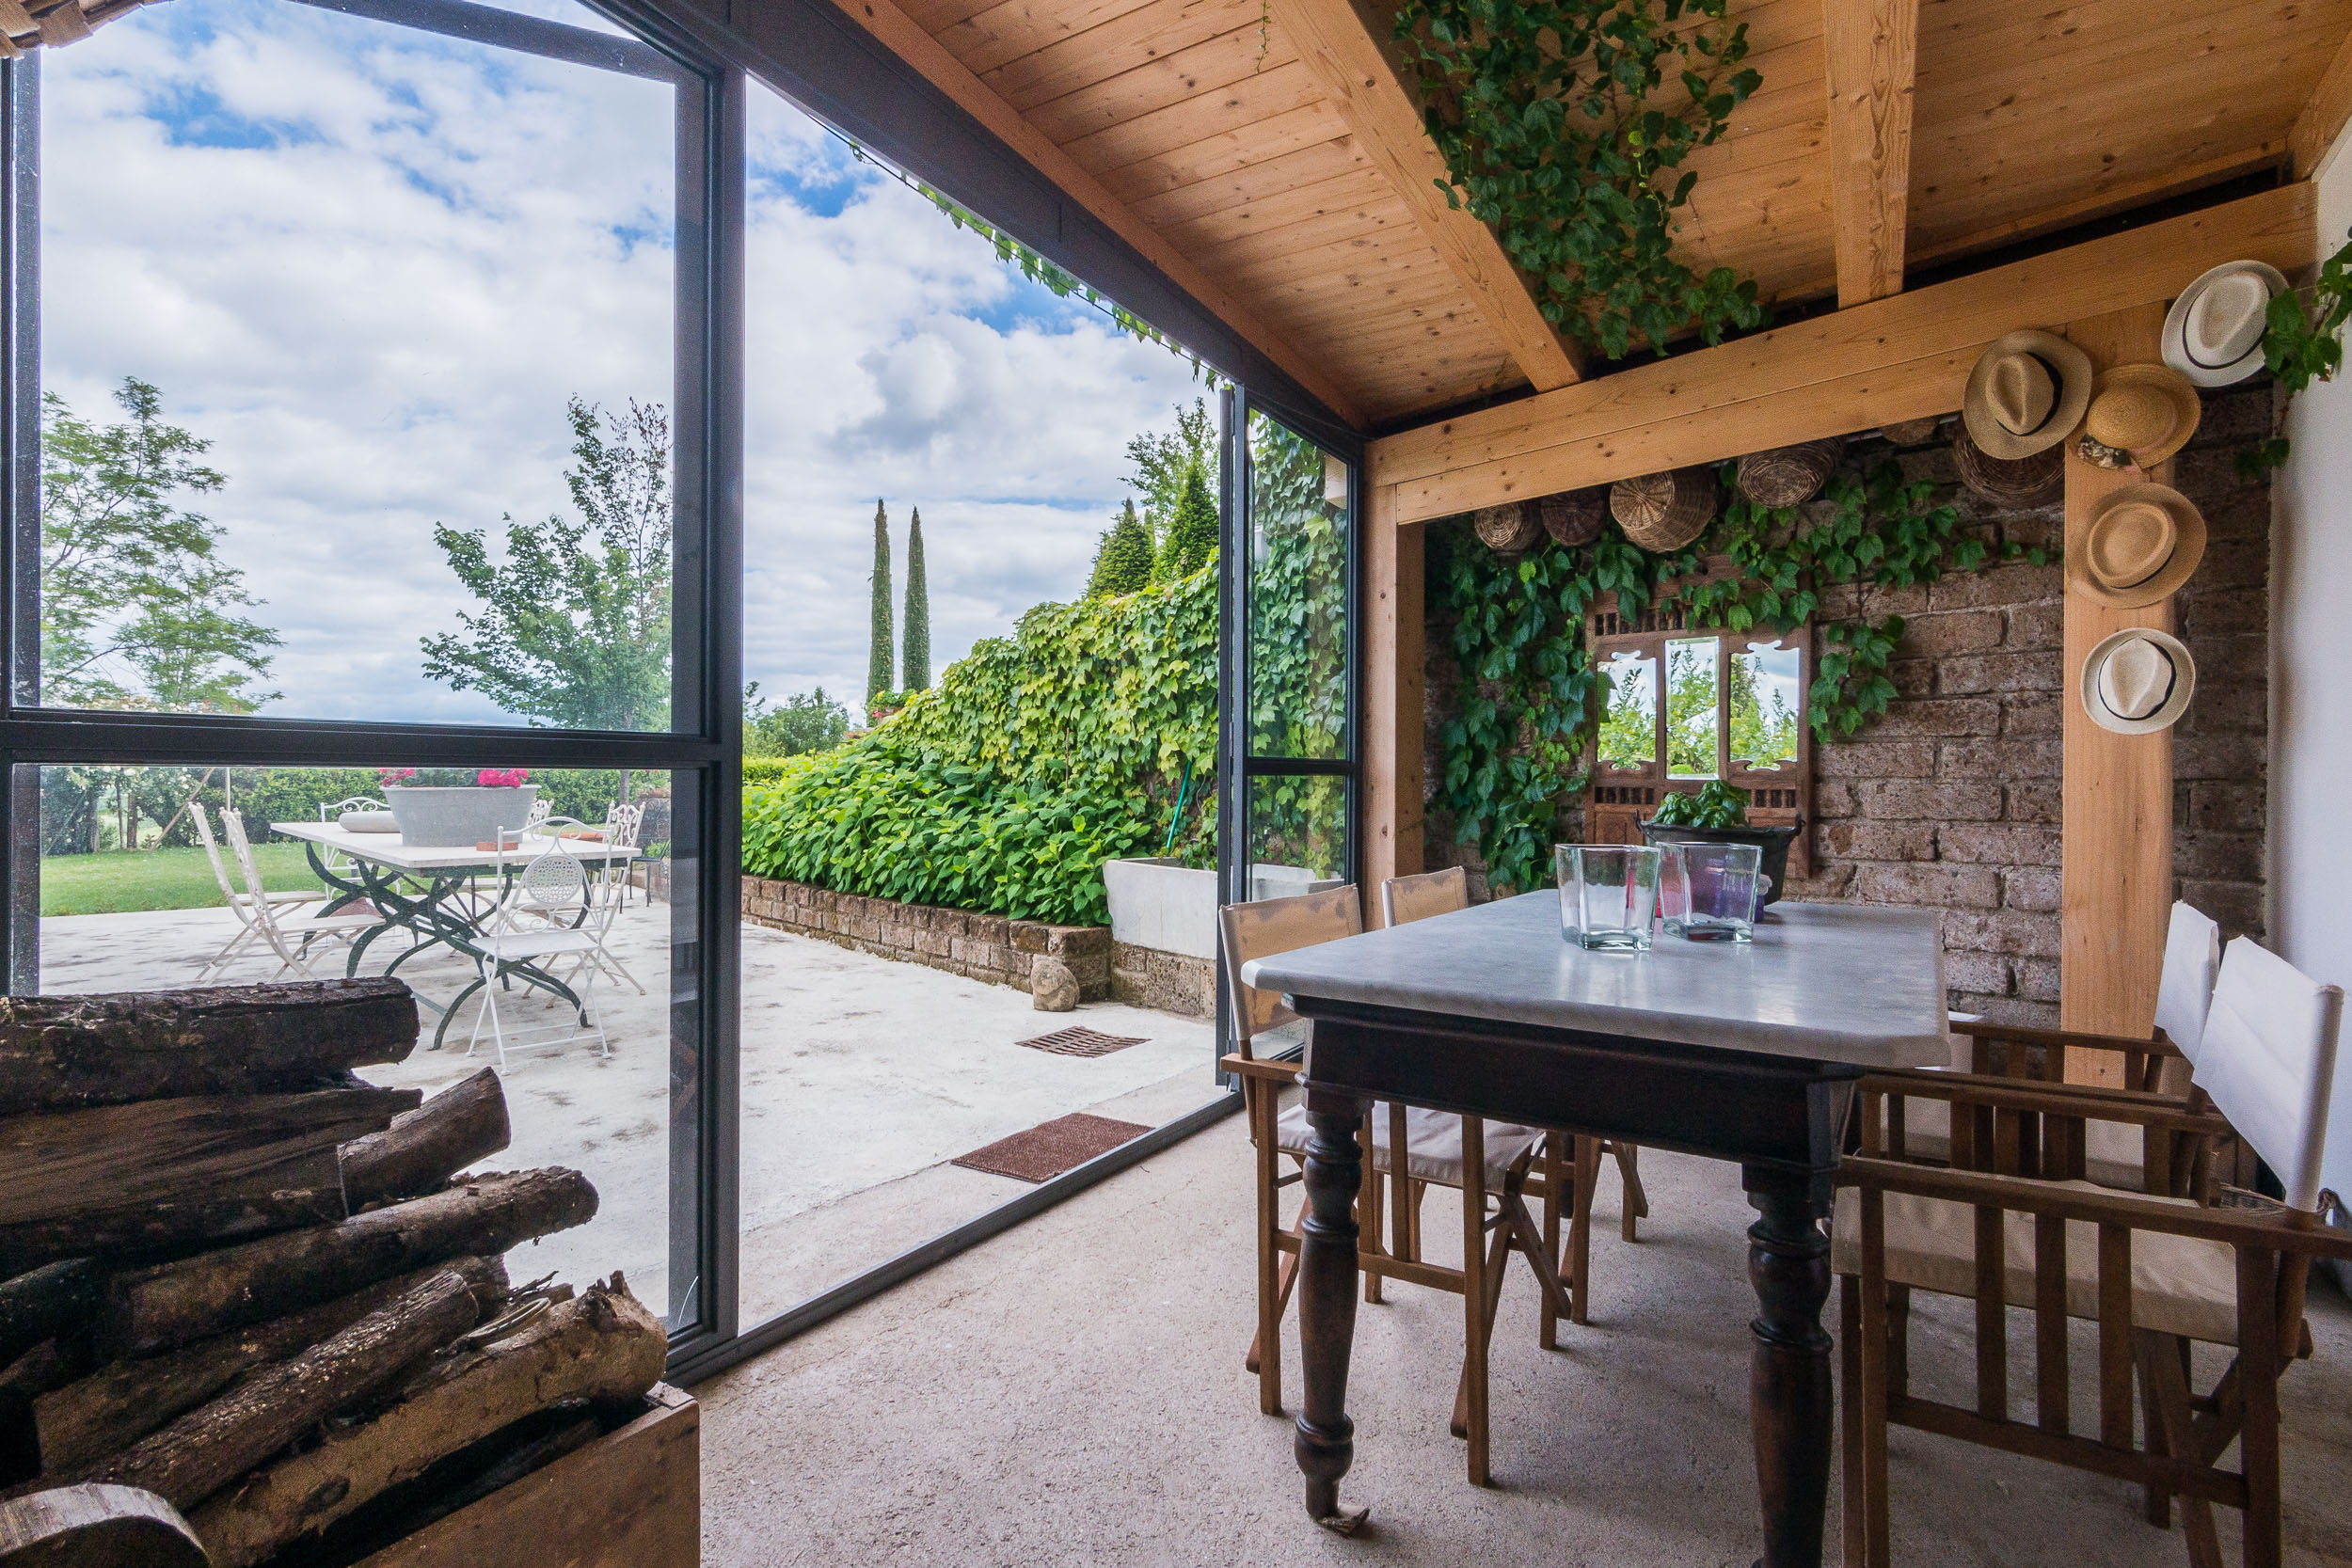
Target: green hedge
[[1036, 758]]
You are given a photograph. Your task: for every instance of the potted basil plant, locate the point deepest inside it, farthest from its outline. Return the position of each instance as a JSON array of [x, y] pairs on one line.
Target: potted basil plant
[[1718, 814]]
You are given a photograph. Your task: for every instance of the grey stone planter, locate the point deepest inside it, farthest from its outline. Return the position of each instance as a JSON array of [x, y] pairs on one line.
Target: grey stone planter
[[1162, 904], [457, 818]]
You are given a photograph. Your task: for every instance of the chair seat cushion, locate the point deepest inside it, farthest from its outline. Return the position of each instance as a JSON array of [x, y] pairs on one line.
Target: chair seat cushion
[[2111, 1149], [2180, 1284], [1433, 1143]]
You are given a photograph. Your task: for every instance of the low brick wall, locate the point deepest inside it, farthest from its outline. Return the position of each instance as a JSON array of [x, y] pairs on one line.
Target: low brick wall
[[1171, 982], [986, 947]]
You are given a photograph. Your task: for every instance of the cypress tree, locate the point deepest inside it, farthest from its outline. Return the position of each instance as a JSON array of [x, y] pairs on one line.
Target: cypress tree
[[915, 647], [1191, 532], [879, 650], [1123, 562]]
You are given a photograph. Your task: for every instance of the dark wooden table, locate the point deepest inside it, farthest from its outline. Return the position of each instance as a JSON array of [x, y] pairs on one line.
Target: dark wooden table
[[1739, 1053]]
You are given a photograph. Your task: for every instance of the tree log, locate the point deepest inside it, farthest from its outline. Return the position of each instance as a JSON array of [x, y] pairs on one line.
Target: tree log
[[115, 1179], [603, 1346], [420, 1151], [96, 1527], [61, 1052], [115, 1407], [151, 1309], [45, 1302], [210, 1447]]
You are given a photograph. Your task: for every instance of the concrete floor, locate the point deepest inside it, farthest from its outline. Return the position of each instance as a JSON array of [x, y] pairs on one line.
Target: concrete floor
[[1073, 1392], [861, 1077]]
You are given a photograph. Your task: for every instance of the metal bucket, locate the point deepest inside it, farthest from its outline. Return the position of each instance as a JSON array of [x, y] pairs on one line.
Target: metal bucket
[[457, 818]]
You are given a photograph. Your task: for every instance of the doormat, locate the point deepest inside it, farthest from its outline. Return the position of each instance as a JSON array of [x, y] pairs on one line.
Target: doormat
[[1046, 1150], [1082, 1042]]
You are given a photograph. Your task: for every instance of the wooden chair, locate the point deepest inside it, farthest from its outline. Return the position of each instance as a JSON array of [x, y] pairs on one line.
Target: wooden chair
[[2154, 1273], [1571, 1164], [1421, 1148]]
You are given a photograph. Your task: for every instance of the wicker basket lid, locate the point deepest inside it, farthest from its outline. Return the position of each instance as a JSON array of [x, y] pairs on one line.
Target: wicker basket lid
[[1509, 528], [1664, 511], [1790, 476], [2035, 481], [1574, 516]]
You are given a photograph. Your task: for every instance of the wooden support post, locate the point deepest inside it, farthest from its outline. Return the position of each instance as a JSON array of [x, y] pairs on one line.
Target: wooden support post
[[1391, 698], [2117, 794]]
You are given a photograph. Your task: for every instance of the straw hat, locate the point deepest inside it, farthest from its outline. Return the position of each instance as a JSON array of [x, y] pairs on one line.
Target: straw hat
[[2148, 410], [2027, 392], [2144, 542], [2137, 682], [2214, 333]]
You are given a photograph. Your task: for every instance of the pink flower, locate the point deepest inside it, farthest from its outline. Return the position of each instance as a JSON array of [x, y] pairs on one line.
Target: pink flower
[[502, 777]]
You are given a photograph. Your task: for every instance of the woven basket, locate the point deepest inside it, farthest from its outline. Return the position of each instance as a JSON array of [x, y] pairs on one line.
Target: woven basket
[[1510, 529], [2035, 481], [1574, 516], [1664, 511], [1790, 476], [1911, 433]]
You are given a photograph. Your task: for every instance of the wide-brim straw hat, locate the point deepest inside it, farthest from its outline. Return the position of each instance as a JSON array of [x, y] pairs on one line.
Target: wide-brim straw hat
[[2142, 542], [2027, 392], [2148, 410], [2214, 333], [2138, 681]]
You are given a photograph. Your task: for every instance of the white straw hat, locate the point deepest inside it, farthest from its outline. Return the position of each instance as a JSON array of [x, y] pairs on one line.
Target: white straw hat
[[2214, 333], [2138, 681]]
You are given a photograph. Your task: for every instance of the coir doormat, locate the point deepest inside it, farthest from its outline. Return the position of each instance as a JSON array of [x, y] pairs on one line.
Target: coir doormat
[[1046, 1150]]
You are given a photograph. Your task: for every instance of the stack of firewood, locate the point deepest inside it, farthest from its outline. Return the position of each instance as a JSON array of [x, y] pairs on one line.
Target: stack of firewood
[[234, 1274]]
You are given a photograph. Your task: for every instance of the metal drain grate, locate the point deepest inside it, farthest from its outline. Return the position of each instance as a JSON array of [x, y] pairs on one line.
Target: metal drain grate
[[1082, 1042]]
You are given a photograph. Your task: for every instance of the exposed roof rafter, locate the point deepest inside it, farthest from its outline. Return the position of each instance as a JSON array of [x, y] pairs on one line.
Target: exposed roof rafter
[[2323, 118], [1870, 48]]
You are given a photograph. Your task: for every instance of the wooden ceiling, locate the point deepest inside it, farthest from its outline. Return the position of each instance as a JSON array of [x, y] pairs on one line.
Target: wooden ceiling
[[1266, 160]]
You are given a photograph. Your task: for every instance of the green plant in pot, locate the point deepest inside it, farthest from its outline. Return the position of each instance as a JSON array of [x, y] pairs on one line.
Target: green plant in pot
[[1718, 814]]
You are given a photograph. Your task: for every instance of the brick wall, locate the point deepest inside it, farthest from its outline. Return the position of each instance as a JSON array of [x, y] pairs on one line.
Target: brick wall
[[1952, 802], [978, 946]]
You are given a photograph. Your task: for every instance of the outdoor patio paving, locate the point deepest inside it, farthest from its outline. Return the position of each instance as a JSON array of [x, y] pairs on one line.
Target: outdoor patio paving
[[861, 1078]]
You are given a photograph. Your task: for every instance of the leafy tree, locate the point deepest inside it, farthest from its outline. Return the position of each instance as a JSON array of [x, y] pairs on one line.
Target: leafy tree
[[1123, 561], [878, 645], [1691, 708], [1163, 458], [1191, 537], [914, 652], [1763, 728], [1628, 724], [571, 632], [806, 721], [137, 608]]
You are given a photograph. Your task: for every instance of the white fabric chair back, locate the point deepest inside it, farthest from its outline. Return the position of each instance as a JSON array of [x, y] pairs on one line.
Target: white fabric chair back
[[211, 850], [2192, 960], [233, 823], [2269, 1060]]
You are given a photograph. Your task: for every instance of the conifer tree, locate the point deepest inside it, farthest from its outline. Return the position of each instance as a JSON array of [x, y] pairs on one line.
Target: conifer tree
[[1123, 562], [878, 652], [1191, 532], [914, 643]]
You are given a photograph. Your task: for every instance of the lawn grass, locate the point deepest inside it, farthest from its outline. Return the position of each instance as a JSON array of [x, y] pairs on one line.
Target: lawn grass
[[119, 881]]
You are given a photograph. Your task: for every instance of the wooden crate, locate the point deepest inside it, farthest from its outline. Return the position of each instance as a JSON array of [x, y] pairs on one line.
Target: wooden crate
[[631, 1499]]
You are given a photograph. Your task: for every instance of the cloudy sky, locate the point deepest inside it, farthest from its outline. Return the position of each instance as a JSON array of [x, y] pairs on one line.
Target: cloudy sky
[[370, 265]]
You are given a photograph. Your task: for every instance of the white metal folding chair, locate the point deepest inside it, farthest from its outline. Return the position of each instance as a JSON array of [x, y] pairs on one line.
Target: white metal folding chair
[[238, 901], [559, 902], [623, 821], [290, 939]]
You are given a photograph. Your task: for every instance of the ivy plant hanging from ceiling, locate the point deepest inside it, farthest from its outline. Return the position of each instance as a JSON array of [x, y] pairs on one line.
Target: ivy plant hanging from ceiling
[[1564, 123]]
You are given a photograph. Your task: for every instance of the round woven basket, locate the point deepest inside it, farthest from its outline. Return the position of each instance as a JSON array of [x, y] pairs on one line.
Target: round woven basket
[[1910, 433], [1574, 516], [2035, 481], [1664, 511], [1790, 476], [1509, 528]]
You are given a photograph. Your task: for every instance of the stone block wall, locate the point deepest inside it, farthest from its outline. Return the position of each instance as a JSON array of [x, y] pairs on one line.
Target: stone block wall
[[1171, 982], [986, 947]]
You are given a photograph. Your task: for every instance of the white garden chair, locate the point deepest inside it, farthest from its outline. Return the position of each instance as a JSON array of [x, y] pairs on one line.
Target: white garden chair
[[624, 820], [238, 901], [289, 938], [557, 908]]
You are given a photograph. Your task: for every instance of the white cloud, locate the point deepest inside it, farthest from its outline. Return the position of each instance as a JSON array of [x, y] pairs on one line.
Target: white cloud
[[371, 266]]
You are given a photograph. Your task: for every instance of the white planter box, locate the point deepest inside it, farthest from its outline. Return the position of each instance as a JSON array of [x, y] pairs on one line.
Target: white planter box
[[1268, 880], [1163, 904]]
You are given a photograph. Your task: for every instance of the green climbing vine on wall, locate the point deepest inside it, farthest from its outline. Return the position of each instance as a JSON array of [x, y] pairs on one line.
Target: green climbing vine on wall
[[1564, 124], [1528, 703]]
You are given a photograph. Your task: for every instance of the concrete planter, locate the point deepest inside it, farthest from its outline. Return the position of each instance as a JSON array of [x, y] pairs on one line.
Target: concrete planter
[[457, 818], [1269, 880], [1162, 904]]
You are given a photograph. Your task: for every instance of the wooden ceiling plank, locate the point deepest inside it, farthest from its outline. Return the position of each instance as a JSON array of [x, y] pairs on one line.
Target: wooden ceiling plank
[[1004, 33], [1223, 154], [1258, 181], [2119, 38], [1116, 45], [1463, 462], [1377, 221], [1354, 187], [1969, 221], [1354, 69], [1171, 79], [896, 32], [2323, 116], [1870, 47], [1198, 119]]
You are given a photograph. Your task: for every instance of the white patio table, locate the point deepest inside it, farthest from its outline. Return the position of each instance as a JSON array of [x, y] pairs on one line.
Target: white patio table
[[427, 890]]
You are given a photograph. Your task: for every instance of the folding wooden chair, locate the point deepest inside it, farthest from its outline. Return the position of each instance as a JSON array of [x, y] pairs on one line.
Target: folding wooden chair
[[1413, 1147], [2155, 1272]]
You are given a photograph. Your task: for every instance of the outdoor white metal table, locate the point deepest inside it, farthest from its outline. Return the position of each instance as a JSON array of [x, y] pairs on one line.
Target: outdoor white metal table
[[1738, 1051], [426, 891]]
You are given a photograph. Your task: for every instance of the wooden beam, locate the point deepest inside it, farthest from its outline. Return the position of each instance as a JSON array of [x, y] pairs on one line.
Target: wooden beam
[[2323, 118], [1391, 809], [1352, 65], [1905, 357], [903, 37], [2116, 791], [1871, 47]]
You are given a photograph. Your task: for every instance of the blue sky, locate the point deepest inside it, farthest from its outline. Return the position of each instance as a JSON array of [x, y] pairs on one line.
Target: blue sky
[[370, 265]]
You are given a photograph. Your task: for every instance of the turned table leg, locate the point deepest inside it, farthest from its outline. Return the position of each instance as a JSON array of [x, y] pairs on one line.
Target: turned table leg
[[1790, 1402], [1326, 1443]]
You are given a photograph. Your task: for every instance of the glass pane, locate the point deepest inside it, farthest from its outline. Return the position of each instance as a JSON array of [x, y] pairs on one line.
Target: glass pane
[[1767, 705], [1298, 582], [133, 898], [1628, 725], [357, 357], [1690, 708], [1298, 835]]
